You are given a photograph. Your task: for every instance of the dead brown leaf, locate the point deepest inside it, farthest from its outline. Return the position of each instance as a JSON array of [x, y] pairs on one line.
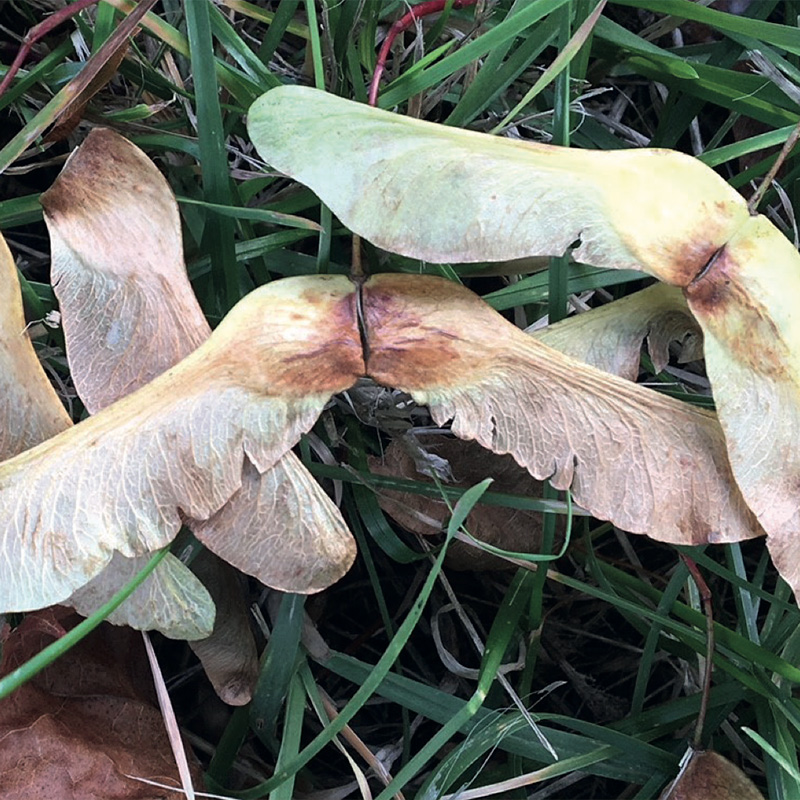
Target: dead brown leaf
[[709, 776], [506, 528], [87, 726]]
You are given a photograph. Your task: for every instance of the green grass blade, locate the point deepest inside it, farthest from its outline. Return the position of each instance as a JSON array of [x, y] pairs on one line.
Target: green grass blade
[[513, 26], [364, 692], [218, 237], [784, 36], [497, 642], [255, 214], [290, 742], [281, 22], [278, 664], [26, 671]]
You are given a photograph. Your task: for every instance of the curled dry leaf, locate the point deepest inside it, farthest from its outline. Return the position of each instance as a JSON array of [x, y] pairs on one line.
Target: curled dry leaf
[[56, 739], [610, 337], [507, 528], [171, 599], [707, 775], [646, 462], [119, 480]]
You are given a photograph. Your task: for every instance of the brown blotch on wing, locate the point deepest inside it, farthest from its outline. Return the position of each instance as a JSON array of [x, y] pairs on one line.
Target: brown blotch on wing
[[721, 300], [304, 338], [421, 330]]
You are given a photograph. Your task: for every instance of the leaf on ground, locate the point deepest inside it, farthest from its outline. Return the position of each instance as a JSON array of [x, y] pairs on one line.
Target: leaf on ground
[[610, 337], [746, 305], [709, 776], [31, 413], [442, 194], [57, 742], [648, 463], [506, 528], [119, 480]]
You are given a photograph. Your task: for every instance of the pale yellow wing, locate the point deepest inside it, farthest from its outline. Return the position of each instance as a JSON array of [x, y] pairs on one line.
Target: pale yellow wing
[[117, 481], [439, 193], [171, 600], [646, 462], [747, 306], [30, 410], [610, 337]]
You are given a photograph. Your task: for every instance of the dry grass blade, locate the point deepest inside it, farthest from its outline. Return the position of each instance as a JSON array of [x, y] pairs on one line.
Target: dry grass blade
[[76, 90], [170, 722]]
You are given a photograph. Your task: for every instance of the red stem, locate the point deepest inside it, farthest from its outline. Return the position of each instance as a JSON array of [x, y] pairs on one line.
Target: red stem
[[404, 23], [39, 31]]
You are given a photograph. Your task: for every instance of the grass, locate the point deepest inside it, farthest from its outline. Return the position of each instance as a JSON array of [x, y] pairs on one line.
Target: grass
[[612, 633]]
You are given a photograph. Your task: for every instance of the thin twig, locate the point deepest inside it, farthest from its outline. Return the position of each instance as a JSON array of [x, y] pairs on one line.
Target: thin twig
[[787, 148]]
